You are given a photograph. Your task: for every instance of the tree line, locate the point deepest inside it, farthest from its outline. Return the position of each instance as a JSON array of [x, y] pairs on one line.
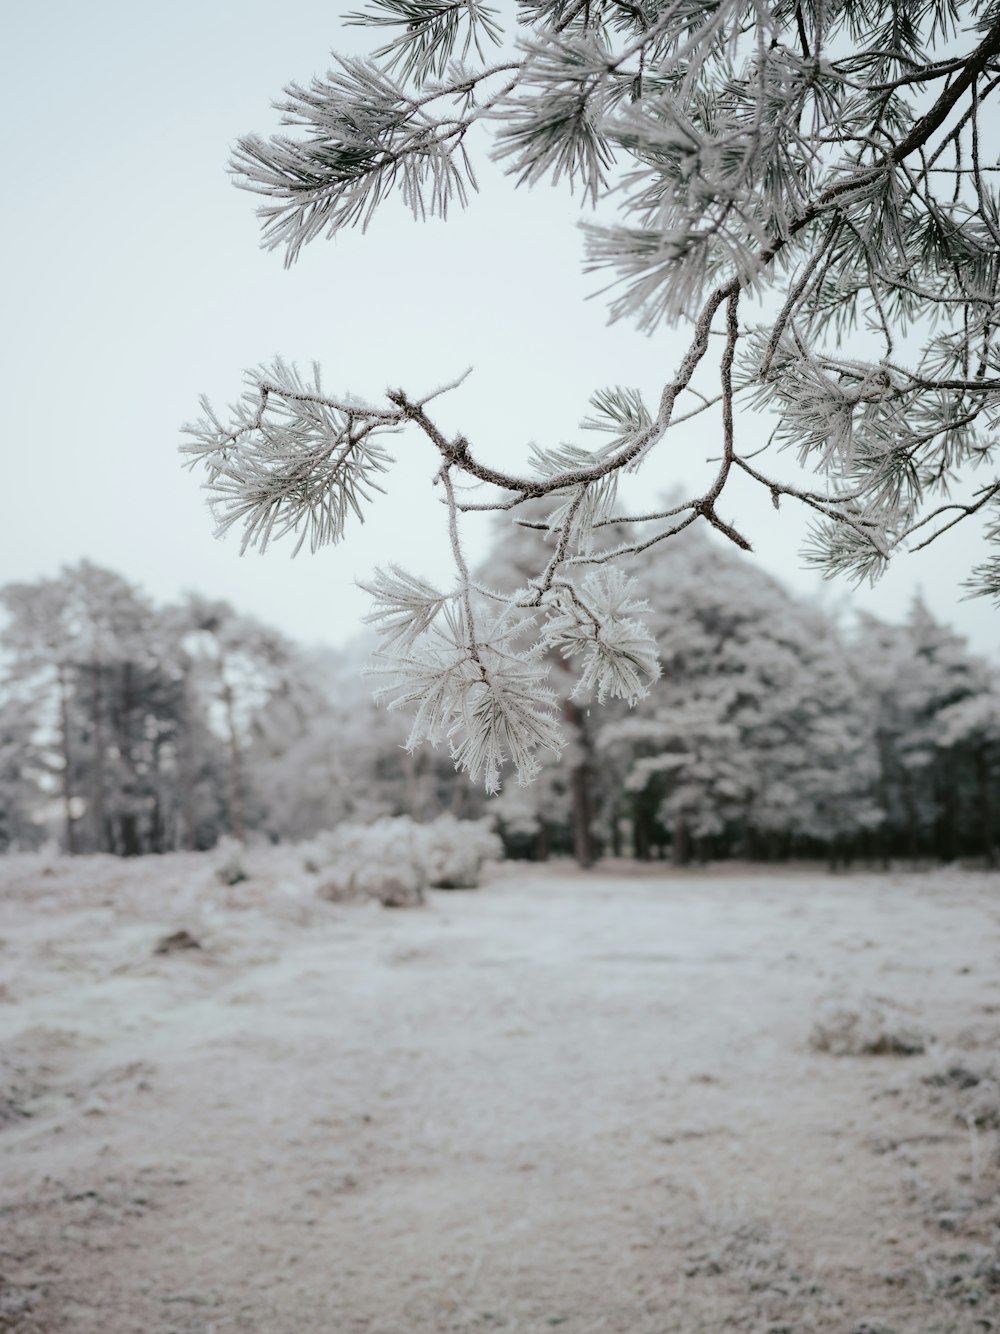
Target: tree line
[[129, 728], [773, 731]]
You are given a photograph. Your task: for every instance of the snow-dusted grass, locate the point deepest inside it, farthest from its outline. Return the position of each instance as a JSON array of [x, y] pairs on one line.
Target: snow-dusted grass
[[870, 1028], [586, 1102]]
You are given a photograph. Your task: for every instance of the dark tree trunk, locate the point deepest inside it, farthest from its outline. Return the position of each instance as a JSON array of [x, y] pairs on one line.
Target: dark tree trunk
[[542, 842], [128, 827], [580, 789], [157, 820], [235, 766], [583, 843], [642, 835], [909, 806], [67, 757], [986, 806], [884, 851], [157, 827], [680, 843], [185, 772], [97, 778]]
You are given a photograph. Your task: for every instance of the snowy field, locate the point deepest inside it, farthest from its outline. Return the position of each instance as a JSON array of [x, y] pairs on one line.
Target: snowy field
[[736, 1099]]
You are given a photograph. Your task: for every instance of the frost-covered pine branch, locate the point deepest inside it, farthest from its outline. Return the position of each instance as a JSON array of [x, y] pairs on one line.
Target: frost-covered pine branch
[[484, 696], [428, 32], [364, 137], [808, 188], [289, 459], [602, 625]]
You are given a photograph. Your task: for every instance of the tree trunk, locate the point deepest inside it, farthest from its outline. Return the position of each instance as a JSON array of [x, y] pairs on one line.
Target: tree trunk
[[67, 778], [641, 835], [583, 844], [185, 771], [128, 827], [235, 765], [909, 806], [542, 842], [616, 835], [680, 843], [986, 806], [583, 806], [415, 766], [97, 778], [129, 820], [157, 831]]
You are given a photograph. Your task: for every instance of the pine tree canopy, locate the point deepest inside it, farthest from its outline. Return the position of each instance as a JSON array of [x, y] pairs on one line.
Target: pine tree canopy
[[768, 179]]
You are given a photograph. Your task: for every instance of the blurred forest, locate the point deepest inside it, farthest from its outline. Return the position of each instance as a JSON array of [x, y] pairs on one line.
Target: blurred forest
[[774, 731]]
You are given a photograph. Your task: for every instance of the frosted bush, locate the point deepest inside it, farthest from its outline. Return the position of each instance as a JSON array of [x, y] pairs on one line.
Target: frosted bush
[[972, 1083], [456, 849], [395, 859], [230, 868], [871, 1029], [382, 860]]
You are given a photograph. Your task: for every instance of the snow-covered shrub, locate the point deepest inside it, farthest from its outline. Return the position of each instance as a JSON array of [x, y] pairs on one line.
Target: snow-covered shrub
[[231, 868], [868, 1030], [456, 849], [383, 860], [395, 859], [973, 1086], [313, 856]]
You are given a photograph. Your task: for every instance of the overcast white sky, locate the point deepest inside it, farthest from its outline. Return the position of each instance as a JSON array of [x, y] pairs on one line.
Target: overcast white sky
[[135, 282]]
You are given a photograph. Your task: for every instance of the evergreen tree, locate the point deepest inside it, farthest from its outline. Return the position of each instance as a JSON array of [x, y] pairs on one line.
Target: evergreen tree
[[105, 689], [756, 740], [23, 775], [39, 663], [321, 752], [239, 668], [970, 730], [931, 696]]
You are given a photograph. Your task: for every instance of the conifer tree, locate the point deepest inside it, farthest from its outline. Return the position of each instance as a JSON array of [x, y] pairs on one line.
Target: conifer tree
[[106, 715], [932, 702]]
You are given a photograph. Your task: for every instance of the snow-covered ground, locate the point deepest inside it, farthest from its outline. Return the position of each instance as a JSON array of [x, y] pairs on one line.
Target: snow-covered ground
[[609, 1101]]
